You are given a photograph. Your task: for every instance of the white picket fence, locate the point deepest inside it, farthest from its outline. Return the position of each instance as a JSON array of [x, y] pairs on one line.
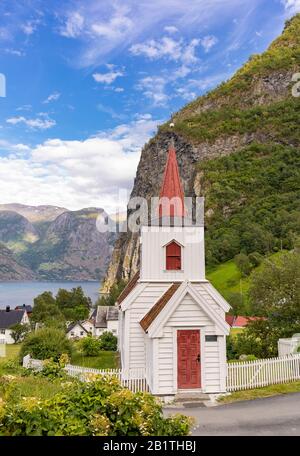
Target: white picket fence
[[263, 372], [133, 379], [288, 346]]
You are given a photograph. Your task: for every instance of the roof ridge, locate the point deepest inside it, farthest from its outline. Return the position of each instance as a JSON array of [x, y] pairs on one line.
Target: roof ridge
[[151, 315]]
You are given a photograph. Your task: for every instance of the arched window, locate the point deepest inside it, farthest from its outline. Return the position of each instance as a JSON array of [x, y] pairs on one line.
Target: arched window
[[173, 257]]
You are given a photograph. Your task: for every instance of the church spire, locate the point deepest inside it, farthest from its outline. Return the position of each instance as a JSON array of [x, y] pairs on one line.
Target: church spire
[[171, 196]]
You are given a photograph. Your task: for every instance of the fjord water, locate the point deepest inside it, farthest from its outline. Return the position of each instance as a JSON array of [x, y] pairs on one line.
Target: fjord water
[[17, 293]]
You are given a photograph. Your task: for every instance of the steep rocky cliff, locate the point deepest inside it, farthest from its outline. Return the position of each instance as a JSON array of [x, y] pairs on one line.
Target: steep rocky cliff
[[55, 246], [11, 268], [254, 108]]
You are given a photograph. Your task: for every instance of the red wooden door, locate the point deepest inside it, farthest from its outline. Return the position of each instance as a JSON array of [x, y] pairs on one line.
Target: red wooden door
[[188, 359]]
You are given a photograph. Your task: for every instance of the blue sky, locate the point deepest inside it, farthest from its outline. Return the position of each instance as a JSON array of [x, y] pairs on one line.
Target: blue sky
[[87, 83]]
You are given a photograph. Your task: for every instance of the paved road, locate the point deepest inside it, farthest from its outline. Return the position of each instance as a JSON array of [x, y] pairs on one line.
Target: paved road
[[278, 416]]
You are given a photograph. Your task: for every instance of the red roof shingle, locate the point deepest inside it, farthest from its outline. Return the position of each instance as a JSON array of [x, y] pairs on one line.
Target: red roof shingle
[[129, 287], [158, 307]]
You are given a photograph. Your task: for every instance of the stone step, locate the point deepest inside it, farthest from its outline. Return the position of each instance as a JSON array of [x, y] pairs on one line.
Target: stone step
[[191, 397]]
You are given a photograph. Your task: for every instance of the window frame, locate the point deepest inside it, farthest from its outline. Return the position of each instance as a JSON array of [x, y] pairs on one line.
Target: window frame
[[173, 256]]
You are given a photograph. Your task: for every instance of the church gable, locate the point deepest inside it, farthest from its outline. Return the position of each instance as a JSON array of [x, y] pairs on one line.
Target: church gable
[[182, 299], [188, 312]]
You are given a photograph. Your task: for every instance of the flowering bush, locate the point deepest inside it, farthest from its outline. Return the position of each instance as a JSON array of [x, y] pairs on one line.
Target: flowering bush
[[99, 407], [108, 342]]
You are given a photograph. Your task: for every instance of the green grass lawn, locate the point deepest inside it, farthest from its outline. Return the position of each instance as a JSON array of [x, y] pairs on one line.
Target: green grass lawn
[[227, 279], [12, 351], [106, 360], [268, 391]]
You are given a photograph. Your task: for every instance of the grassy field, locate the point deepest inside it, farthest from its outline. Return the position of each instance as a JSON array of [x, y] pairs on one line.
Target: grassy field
[[39, 387], [12, 351], [106, 360], [227, 279], [268, 391]]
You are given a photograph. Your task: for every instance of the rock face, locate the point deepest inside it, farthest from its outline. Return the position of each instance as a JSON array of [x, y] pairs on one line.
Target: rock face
[[11, 268], [264, 81], [15, 228], [66, 248], [72, 247]]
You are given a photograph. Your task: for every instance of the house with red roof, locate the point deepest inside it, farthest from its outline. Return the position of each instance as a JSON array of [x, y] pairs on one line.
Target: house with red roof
[[172, 320], [239, 321]]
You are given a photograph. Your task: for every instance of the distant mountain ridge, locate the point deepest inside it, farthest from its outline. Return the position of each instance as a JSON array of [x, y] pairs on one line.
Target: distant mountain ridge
[[35, 213], [52, 243]]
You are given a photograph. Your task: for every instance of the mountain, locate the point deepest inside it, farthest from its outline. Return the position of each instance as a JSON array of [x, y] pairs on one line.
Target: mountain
[[54, 245], [35, 213], [239, 147], [11, 268]]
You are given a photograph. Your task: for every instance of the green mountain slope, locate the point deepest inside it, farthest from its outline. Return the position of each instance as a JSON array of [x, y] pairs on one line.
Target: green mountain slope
[[239, 146]]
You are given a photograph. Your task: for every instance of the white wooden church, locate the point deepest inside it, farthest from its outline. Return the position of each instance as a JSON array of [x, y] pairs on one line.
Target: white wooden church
[[172, 320]]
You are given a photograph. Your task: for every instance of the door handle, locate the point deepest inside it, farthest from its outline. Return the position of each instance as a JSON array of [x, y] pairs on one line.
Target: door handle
[[198, 358]]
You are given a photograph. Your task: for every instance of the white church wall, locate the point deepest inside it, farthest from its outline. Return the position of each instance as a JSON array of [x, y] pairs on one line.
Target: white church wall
[[188, 315], [139, 307], [153, 261]]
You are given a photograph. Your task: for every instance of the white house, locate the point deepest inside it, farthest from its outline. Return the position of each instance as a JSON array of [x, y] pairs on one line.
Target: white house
[[172, 320], [103, 318], [8, 318], [106, 319], [79, 329]]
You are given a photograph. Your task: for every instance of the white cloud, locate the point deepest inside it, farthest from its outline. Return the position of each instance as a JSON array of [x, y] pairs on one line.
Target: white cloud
[[40, 124], [171, 29], [28, 28], [26, 107], [153, 87], [292, 6], [110, 28], [16, 52], [52, 97], [116, 28], [119, 89], [107, 78], [167, 48], [77, 174], [11, 147], [73, 25], [209, 42]]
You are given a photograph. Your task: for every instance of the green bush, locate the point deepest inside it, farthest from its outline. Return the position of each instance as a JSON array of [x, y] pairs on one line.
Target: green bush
[[90, 346], [100, 408], [108, 342], [46, 343], [53, 369]]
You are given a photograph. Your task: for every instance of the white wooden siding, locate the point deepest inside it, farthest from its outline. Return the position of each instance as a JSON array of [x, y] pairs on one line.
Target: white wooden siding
[[201, 288], [153, 253], [188, 315], [136, 337]]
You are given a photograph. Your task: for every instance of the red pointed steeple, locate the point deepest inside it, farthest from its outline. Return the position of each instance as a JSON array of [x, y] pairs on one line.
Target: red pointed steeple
[[171, 189]]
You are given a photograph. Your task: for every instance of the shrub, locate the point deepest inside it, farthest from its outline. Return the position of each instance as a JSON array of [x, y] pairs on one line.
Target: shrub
[[52, 369], [46, 343], [90, 346], [99, 407], [108, 342], [19, 331]]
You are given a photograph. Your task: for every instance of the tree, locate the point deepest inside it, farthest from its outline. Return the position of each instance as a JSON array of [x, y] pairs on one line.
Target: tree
[[90, 346], [46, 343], [19, 331], [108, 342], [73, 304], [243, 264], [45, 310], [114, 293], [275, 294]]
